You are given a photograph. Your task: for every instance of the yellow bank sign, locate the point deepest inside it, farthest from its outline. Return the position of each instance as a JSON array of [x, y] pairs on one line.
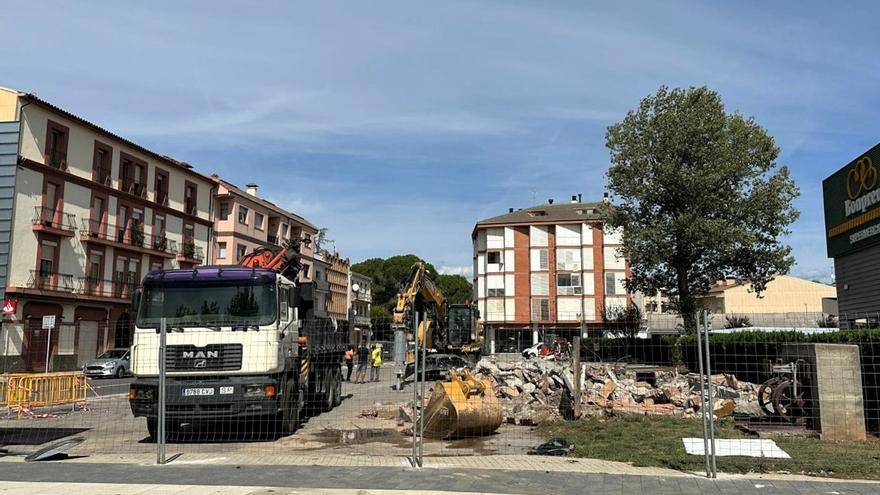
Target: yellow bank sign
[[852, 204]]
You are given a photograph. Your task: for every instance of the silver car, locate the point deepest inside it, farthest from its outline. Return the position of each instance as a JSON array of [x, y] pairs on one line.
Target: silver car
[[113, 363]]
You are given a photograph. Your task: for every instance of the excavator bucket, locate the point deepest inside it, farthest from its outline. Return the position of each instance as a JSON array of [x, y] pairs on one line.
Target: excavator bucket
[[462, 407]]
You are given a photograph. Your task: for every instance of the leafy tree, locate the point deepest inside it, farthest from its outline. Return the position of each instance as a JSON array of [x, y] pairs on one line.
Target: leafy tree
[[699, 197], [456, 288]]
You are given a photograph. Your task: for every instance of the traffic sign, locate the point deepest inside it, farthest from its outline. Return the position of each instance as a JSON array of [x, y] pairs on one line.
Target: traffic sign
[[48, 322]]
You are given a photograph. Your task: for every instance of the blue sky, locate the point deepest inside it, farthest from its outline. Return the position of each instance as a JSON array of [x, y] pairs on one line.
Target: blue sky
[[397, 125]]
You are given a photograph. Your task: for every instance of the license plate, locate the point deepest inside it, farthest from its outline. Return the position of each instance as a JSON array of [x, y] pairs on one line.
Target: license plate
[[225, 390], [187, 392]]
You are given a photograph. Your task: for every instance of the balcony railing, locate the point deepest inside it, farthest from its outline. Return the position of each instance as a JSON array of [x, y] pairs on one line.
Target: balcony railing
[[159, 242], [189, 206], [122, 288], [49, 217], [273, 239], [188, 250], [102, 175], [51, 281], [135, 188]]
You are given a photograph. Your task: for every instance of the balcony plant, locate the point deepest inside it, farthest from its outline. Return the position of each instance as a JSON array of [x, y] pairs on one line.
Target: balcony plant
[[137, 234], [189, 248]]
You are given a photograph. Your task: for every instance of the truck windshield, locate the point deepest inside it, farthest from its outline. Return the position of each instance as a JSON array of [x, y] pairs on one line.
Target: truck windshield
[[235, 303]]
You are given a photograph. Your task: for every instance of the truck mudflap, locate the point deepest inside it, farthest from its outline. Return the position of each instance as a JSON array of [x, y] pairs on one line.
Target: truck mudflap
[[204, 399]]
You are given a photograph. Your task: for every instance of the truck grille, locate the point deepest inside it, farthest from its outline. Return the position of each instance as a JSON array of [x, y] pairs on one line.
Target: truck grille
[[213, 357]]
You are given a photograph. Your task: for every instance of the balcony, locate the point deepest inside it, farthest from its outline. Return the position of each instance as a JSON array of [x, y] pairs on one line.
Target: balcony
[[129, 237], [123, 288], [102, 175], [134, 188], [46, 281], [272, 239], [189, 206], [53, 221], [161, 197], [190, 253]]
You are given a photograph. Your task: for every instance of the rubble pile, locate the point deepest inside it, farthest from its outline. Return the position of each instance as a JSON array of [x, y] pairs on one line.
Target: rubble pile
[[541, 389]]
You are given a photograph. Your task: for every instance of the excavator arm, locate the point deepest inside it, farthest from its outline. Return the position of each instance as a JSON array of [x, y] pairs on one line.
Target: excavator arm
[[418, 284]]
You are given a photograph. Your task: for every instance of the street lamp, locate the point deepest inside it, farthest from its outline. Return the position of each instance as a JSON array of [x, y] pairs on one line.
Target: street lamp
[[355, 288]]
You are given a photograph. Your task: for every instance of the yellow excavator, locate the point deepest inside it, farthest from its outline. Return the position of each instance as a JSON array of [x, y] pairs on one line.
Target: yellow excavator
[[463, 405]]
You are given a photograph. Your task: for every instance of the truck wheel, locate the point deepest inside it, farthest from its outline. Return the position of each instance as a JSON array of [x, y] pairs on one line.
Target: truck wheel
[[338, 387], [329, 398], [172, 429], [288, 417]]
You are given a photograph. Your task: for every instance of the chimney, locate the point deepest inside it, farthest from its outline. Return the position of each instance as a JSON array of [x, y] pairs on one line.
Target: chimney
[[550, 201], [579, 198], [252, 189], [510, 210], [574, 199]]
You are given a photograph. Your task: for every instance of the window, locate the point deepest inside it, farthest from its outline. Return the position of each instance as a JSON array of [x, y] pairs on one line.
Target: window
[[96, 266], [540, 309], [495, 286], [241, 250], [539, 260], [160, 195], [540, 283], [221, 250], [224, 210], [258, 221], [568, 259], [610, 284], [133, 176], [47, 258], [101, 164], [56, 145], [190, 198], [305, 271], [493, 257], [568, 284], [283, 233], [242, 215]]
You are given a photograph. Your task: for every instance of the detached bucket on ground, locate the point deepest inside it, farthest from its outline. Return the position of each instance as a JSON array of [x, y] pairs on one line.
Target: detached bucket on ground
[[462, 407]]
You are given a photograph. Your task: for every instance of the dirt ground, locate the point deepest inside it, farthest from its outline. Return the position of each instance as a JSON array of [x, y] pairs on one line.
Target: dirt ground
[[109, 427]]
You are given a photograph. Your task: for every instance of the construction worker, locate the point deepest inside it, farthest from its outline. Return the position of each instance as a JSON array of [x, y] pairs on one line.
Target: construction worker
[[375, 362]]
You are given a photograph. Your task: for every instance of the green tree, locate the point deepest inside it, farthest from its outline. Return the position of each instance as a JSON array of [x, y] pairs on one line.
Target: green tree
[[389, 275], [456, 288], [699, 197]]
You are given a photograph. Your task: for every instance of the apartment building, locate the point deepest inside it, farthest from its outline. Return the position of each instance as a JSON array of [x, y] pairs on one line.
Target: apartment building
[[244, 221], [338, 276], [360, 300], [91, 212], [550, 269]]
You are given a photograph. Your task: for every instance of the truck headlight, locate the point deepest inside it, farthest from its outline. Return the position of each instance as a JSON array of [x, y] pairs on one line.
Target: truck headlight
[[259, 390], [140, 394]]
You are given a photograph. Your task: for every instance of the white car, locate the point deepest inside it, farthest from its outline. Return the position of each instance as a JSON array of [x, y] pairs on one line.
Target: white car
[[533, 351], [113, 363]]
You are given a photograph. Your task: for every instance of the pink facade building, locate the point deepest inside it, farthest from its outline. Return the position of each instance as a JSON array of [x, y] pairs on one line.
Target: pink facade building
[[244, 221]]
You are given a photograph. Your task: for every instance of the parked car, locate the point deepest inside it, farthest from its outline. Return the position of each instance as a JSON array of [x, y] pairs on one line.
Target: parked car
[[437, 366], [113, 363]]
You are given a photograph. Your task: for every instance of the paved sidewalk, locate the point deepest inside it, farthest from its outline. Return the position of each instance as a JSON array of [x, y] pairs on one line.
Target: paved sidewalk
[[198, 479]]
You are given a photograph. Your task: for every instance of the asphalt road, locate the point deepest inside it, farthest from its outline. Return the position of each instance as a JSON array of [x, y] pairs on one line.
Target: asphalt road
[[101, 387]]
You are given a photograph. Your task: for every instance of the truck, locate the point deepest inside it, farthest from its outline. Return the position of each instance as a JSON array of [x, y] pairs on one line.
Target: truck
[[244, 344]]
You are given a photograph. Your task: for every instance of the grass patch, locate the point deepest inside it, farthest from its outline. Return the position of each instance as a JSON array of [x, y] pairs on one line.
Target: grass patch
[[656, 441]]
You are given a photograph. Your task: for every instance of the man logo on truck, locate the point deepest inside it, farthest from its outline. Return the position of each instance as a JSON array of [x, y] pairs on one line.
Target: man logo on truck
[[201, 354]]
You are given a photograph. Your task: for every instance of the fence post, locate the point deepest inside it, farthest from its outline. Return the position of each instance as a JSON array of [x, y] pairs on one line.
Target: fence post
[[160, 442], [415, 405], [704, 402], [424, 363], [576, 359], [711, 412]]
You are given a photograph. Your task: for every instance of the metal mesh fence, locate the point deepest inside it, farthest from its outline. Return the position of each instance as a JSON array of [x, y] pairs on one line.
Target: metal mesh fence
[[315, 386]]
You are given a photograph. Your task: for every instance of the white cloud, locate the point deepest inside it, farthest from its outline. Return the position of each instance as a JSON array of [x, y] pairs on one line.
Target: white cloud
[[465, 271]]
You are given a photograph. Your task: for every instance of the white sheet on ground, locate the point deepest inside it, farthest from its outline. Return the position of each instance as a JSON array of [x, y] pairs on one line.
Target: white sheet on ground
[[763, 447]]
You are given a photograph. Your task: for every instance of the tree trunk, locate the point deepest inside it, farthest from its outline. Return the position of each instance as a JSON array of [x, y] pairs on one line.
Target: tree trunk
[[687, 305]]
